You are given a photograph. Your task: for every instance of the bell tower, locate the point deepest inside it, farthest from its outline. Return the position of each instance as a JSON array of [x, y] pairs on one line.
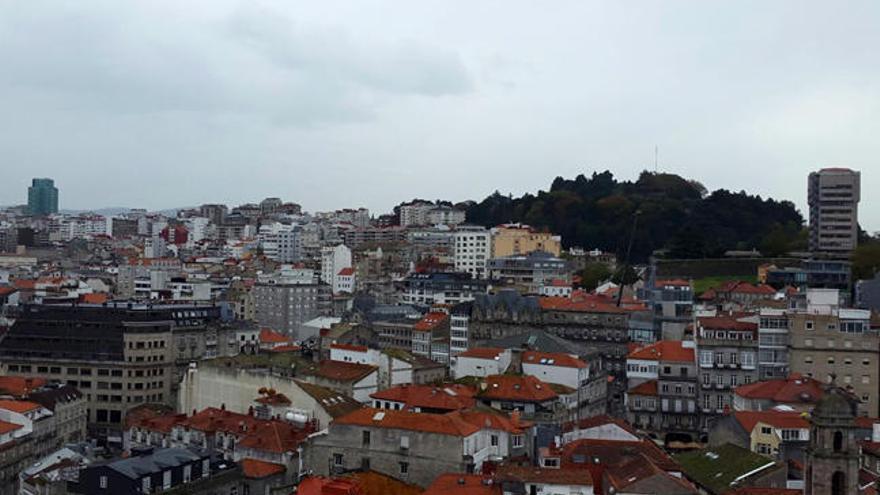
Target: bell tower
[[832, 458]]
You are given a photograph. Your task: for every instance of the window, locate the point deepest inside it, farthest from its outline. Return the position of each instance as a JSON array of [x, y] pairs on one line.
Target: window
[[145, 484], [206, 468], [493, 440], [404, 467], [866, 379], [166, 480], [830, 359], [404, 442], [187, 473], [366, 438], [517, 441], [830, 342], [838, 441], [808, 325], [102, 482], [766, 430], [337, 459], [705, 358], [808, 359], [551, 462], [707, 379], [808, 342]]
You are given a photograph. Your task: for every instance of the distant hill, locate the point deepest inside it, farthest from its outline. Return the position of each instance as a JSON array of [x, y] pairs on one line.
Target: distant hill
[[674, 214]]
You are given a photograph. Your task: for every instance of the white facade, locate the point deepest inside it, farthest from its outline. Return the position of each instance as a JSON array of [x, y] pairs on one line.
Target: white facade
[[472, 247], [392, 371], [480, 366], [344, 281], [333, 260], [458, 334], [281, 242], [563, 375]]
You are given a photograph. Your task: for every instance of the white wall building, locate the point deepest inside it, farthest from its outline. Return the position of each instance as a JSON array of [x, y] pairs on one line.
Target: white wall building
[[333, 260], [472, 247], [481, 362]]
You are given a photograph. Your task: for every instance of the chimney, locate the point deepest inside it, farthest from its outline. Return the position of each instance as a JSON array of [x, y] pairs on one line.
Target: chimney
[[223, 406], [250, 410]]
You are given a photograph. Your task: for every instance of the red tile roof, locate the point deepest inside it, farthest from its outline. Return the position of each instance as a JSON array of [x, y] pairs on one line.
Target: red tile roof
[[664, 350], [274, 436], [19, 406], [94, 298], [778, 419], [286, 348], [647, 388], [431, 321], [318, 485], [524, 388], [5, 291], [865, 422], [340, 370], [268, 336], [552, 359], [160, 424], [563, 476], [373, 483], [346, 272], [19, 386], [494, 420], [273, 399], [726, 322], [463, 484], [447, 397], [794, 389], [588, 303], [638, 469], [350, 347], [255, 469], [6, 427], [482, 352], [613, 452], [442, 424]]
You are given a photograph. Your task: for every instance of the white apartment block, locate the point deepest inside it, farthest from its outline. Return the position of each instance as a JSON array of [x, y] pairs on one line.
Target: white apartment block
[[281, 242], [472, 247], [333, 260]]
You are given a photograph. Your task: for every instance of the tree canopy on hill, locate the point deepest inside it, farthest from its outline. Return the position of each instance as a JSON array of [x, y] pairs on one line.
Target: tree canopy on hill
[[673, 213]]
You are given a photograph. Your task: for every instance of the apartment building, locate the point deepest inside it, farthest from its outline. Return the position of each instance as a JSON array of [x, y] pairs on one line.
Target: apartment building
[[828, 340], [514, 239], [472, 248], [286, 307], [833, 195], [728, 349], [773, 353], [117, 357]]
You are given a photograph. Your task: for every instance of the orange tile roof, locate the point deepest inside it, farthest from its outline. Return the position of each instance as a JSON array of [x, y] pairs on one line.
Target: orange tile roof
[[374, 483], [561, 476], [447, 397], [865, 422], [640, 468], [726, 322], [286, 348], [268, 336], [463, 484], [614, 452], [5, 291], [350, 347], [161, 424], [794, 389], [25, 284], [494, 420], [19, 386], [94, 298], [19, 406], [585, 304], [431, 321], [274, 436], [482, 352], [552, 359], [664, 350], [319, 485], [516, 388], [340, 370], [6, 427], [346, 272], [442, 424], [778, 419], [255, 469], [647, 388]]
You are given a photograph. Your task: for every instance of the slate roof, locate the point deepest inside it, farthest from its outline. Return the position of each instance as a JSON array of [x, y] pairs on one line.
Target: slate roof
[[160, 460]]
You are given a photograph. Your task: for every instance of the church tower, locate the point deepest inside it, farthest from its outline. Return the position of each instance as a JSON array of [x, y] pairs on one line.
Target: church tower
[[832, 459]]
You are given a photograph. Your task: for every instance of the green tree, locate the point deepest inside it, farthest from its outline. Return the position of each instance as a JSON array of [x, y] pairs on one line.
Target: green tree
[[593, 274], [866, 260]]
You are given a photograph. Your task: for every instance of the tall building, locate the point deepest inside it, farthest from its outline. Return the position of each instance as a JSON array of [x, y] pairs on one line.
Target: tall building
[[42, 197], [472, 248], [833, 194]]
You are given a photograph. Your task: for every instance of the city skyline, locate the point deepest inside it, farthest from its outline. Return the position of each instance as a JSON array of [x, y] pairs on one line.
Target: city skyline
[[345, 106]]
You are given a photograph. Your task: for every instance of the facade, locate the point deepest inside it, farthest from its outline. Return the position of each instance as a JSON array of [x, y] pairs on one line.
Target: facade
[[414, 447], [517, 239], [662, 398], [441, 288], [833, 196], [838, 342], [459, 322], [472, 248], [333, 260], [430, 337], [286, 307], [728, 349], [42, 197], [672, 304], [530, 271], [280, 242], [117, 357], [773, 358]]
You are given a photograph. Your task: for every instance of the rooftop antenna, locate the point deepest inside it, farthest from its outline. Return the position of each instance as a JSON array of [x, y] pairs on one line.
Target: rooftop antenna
[[656, 153]]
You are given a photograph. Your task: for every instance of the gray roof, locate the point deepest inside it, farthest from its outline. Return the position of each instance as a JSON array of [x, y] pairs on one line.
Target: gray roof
[[158, 461], [540, 340]]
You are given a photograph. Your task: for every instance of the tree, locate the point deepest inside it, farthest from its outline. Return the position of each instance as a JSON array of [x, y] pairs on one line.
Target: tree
[[866, 260], [593, 274]]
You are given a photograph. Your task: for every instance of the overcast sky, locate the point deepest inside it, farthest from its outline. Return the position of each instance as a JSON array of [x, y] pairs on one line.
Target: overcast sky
[[338, 104]]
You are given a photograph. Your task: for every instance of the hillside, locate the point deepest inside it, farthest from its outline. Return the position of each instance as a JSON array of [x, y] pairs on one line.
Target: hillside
[[673, 213]]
